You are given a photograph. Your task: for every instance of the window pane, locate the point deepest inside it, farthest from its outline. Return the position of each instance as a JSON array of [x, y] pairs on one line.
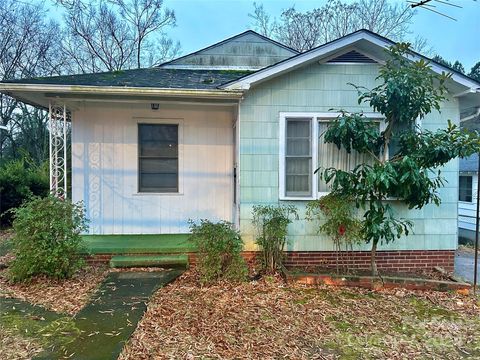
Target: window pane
[[398, 130], [158, 140], [465, 188], [158, 157], [298, 161], [158, 132], [158, 183], [298, 166], [298, 147], [159, 148], [298, 176], [298, 128], [330, 156], [298, 185], [158, 166]]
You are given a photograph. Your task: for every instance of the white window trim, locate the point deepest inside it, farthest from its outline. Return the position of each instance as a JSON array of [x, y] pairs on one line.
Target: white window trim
[[315, 118], [166, 121]]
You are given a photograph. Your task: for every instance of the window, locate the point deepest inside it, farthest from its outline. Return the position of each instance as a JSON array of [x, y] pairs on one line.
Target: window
[[302, 151], [158, 158], [298, 157], [330, 156], [465, 189]]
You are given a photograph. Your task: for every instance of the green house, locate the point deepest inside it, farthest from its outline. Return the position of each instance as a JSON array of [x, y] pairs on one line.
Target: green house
[[211, 134]]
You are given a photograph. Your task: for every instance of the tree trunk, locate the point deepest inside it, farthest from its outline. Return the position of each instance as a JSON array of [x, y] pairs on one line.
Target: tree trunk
[[373, 262]]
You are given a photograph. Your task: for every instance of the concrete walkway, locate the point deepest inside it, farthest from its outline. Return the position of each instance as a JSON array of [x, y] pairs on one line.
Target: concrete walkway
[[108, 321], [464, 261], [100, 329]]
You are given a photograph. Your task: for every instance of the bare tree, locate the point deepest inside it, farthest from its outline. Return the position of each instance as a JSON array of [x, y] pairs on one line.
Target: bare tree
[[262, 21], [146, 17], [306, 30], [29, 46], [117, 34]]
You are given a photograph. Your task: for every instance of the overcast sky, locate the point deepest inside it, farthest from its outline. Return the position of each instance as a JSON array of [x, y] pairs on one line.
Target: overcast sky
[[203, 22]]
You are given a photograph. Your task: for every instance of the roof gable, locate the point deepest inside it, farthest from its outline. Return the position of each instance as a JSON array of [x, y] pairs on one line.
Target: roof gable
[[365, 42], [246, 51]]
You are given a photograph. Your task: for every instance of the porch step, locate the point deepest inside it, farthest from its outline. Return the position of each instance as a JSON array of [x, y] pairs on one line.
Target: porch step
[[171, 261]]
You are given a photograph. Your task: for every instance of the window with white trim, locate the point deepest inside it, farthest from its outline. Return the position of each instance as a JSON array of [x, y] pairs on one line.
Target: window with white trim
[[298, 157], [302, 151]]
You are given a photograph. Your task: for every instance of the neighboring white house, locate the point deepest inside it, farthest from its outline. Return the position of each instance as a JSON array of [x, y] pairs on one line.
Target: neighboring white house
[[467, 198]]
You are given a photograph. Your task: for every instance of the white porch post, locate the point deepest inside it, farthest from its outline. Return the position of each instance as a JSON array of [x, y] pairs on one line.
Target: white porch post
[[58, 116]]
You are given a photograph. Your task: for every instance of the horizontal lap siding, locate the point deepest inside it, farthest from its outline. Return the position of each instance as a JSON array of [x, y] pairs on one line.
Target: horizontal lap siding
[[319, 88], [105, 176]]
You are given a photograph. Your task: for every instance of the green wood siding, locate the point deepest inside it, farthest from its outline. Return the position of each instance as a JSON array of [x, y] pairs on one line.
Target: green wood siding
[[319, 88]]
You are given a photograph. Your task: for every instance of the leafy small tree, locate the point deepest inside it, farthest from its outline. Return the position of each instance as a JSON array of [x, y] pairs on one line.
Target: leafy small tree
[[47, 239], [405, 157], [272, 223]]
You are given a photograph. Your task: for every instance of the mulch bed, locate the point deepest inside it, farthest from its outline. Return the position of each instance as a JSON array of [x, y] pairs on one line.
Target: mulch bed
[[65, 296], [15, 347], [268, 319]]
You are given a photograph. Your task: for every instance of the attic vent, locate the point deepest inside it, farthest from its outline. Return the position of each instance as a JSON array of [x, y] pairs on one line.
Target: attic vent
[[352, 57]]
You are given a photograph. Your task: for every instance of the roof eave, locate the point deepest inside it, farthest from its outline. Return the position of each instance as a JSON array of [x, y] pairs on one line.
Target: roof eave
[[112, 90]]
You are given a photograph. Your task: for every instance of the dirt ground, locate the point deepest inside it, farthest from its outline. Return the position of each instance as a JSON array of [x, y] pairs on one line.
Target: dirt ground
[[269, 320]]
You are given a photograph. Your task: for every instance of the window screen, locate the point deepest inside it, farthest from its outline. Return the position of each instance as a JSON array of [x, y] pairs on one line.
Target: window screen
[[465, 189], [298, 157], [158, 157]]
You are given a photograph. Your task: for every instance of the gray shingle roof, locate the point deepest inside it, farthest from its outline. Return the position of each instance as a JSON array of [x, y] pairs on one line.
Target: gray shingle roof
[[149, 77], [469, 164]]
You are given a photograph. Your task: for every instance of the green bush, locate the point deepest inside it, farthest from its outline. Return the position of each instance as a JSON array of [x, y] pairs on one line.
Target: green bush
[[219, 248], [337, 217], [272, 222], [47, 238], [20, 180]]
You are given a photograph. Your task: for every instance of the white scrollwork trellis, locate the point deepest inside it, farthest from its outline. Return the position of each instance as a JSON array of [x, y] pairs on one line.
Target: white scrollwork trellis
[[58, 117]]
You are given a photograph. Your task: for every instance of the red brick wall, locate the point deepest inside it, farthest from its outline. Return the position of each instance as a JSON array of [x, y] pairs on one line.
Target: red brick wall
[[402, 260]]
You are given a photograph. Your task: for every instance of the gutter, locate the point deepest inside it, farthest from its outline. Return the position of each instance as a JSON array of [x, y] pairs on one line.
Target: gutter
[[111, 90]]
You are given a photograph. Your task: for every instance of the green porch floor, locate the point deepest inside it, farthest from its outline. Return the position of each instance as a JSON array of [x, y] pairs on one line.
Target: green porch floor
[[138, 244]]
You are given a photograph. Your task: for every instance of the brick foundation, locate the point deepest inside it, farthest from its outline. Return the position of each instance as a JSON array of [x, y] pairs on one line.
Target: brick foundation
[[394, 261]]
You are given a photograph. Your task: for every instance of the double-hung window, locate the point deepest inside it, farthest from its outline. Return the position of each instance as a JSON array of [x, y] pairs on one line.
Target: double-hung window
[[303, 150], [298, 157], [158, 158]]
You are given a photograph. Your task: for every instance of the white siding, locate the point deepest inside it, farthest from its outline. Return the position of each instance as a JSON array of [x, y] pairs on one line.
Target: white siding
[[467, 210], [105, 168]]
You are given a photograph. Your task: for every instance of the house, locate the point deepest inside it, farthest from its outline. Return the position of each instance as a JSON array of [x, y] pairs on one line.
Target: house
[[467, 198], [467, 182], [212, 133]]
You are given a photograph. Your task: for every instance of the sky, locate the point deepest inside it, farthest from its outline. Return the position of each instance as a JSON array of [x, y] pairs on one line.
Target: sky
[[201, 23]]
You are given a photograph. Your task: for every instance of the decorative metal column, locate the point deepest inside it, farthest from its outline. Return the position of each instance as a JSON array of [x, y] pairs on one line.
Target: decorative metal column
[[58, 117]]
